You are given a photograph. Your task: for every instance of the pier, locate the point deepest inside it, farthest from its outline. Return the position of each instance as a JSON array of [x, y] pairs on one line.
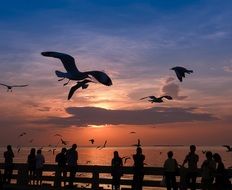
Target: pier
[[88, 177]]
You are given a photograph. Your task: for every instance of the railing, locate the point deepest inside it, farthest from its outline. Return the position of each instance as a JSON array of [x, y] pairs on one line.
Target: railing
[[90, 176]]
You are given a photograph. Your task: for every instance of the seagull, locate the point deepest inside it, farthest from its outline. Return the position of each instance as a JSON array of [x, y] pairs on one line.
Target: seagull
[[18, 148], [58, 135], [138, 144], [180, 72], [103, 146], [132, 132], [9, 87], [229, 148], [91, 140], [83, 84], [73, 73], [64, 142], [157, 99], [22, 134], [126, 158]]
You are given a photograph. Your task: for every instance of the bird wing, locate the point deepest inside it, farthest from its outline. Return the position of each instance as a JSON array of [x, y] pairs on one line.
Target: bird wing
[[179, 76], [24, 85], [227, 146], [167, 97], [4, 85], [144, 98], [67, 60], [73, 89], [101, 77]]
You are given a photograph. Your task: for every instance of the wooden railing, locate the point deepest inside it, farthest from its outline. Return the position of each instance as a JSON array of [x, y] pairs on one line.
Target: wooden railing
[[89, 175]]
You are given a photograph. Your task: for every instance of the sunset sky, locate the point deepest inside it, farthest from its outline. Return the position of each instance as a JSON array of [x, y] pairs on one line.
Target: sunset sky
[[135, 42]]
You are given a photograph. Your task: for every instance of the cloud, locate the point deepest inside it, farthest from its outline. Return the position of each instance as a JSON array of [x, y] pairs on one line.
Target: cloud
[[84, 116], [228, 68], [172, 89]]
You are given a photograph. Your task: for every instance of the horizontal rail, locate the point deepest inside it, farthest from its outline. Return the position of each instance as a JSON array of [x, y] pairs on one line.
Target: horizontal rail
[[94, 175]]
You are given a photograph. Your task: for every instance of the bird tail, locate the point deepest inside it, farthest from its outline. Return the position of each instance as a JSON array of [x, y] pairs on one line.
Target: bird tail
[[60, 74]]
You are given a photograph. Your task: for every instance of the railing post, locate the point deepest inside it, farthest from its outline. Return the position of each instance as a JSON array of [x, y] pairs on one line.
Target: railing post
[[95, 183], [22, 177]]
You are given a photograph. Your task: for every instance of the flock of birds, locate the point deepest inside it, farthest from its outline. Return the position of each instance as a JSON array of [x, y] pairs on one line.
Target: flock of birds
[[84, 79]]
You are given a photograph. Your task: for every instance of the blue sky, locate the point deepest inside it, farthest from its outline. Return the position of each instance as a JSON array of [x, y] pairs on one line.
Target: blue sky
[[135, 42]]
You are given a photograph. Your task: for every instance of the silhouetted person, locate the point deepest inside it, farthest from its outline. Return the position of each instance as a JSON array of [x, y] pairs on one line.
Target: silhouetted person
[[138, 158], [1, 180], [192, 159], [208, 168], [31, 162], [170, 171], [40, 160], [61, 159], [72, 157], [8, 155], [116, 171]]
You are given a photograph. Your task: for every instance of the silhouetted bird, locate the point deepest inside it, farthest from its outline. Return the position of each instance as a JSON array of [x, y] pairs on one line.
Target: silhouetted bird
[[132, 132], [9, 87], [180, 72], [91, 140], [30, 141], [64, 142], [22, 134], [126, 158], [58, 135], [155, 99], [103, 146], [83, 84], [18, 148], [73, 73], [204, 151], [229, 148]]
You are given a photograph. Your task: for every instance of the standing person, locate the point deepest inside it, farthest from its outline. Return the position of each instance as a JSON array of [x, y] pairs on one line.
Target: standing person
[[208, 169], [170, 171], [40, 160], [138, 158], [31, 162], [61, 160], [8, 155], [116, 171], [221, 176], [72, 157], [191, 158]]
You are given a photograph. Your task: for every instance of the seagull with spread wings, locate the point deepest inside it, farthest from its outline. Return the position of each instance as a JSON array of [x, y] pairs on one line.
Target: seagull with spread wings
[[83, 84], [229, 148], [91, 140], [10, 87], [180, 72], [72, 71], [154, 99]]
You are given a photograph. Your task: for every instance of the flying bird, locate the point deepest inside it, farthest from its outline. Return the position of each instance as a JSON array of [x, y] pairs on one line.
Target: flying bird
[[22, 134], [58, 135], [72, 71], [154, 99], [91, 140], [132, 132], [180, 72], [64, 142], [30, 141], [9, 87], [126, 158], [229, 148], [103, 146], [83, 84]]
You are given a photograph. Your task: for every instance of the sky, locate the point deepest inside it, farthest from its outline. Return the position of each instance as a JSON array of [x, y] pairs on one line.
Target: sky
[[135, 42]]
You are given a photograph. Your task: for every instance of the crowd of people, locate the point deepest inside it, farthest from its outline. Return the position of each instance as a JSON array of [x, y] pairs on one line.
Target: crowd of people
[[213, 173]]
